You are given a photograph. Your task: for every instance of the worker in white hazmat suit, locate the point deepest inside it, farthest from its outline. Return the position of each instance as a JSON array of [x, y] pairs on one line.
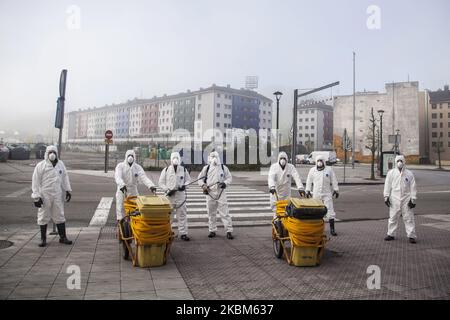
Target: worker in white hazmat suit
[[128, 175], [173, 181], [213, 179], [400, 195], [280, 180], [323, 183], [50, 184]]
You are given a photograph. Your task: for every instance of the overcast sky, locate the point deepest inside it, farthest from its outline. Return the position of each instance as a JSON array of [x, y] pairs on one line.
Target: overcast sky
[[127, 49]]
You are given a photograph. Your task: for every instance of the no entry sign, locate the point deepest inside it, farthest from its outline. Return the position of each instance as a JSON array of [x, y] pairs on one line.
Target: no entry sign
[[108, 134]]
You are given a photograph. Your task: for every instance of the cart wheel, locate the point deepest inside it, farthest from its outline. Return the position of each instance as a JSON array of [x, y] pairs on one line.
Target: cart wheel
[[126, 233], [277, 247]]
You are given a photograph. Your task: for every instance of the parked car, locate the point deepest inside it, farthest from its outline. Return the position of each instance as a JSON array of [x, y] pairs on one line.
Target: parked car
[[330, 157], [4, 153], [301, 159]]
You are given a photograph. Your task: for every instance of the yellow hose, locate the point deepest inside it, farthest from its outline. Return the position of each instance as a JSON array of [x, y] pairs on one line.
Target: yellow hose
[[148, 231], [305, 233]]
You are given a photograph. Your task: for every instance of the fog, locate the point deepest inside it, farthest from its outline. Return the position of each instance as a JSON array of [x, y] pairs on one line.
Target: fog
[[120, 50]]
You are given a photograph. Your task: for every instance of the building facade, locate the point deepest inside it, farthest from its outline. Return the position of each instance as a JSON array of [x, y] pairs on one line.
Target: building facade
[[439, 125], [402, 109], [315, 126], [209, 113]]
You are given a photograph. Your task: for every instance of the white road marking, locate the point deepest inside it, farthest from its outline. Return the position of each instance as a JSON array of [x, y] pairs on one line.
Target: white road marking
[[442, 191], [18, 192], [102, 212]]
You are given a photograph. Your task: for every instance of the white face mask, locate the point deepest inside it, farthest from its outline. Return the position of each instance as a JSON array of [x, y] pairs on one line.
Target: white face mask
[[399, 164], [52, 156], [283, 162], [214, 161], [175, 161], [320, 164], [130, 159]]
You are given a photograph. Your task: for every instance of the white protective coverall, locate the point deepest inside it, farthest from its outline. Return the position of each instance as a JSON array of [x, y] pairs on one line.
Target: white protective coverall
[[129, 176], [214, 174], [323, 183], [281, 180], [50, 184], [400, 187], [171, 180]]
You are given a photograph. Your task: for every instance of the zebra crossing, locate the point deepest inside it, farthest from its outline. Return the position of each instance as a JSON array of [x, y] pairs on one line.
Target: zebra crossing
[[247, 207]]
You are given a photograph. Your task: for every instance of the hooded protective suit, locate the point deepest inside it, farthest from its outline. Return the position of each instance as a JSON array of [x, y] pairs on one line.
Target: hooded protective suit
[[50, 184], [400, 188], [323, 183], [281, 180], [172, 179], [212, 175], [129, 177]]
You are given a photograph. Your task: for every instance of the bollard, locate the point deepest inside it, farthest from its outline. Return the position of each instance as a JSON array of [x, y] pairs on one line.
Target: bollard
[[54, 232]]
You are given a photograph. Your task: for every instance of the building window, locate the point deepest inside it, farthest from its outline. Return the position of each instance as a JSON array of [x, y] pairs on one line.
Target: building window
[[434, 144], [433, 106], [312, 135], [218, 115], [434, 116], [441, 134], [440, 115], [312, 119], [300, 128], [306, 127], [218, 95], [434, 134], [217, 124], [312, 127], [218, 105], [441, 125], [434, 125]]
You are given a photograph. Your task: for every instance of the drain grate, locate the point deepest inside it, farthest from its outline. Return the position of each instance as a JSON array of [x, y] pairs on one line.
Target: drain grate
[[5, 244]]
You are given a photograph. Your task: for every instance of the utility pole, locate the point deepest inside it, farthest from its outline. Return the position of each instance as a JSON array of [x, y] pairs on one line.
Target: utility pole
[[294, 128], [354, 115], [59, 120]]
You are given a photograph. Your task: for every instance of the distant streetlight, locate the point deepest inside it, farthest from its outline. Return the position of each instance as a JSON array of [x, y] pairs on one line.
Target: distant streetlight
[[278, 95], [380, 139]]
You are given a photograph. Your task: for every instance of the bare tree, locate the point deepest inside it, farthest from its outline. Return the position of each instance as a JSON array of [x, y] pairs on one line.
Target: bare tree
[[372, 142]]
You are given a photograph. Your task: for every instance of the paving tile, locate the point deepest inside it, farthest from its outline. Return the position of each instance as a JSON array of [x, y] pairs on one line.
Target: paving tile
[[30, 292], [97, 288], [174, 294], [143, 295], [169, 283]]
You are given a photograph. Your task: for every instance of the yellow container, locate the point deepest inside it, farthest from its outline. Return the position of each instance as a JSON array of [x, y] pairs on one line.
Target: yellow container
[[154, 206], [305, 256], [151, 255]]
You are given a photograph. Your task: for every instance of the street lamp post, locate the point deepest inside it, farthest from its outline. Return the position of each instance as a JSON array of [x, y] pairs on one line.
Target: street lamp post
[[278, 95], [380, 140]]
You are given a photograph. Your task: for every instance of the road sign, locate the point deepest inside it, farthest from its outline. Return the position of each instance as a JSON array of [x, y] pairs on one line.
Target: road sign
[[108, 134]]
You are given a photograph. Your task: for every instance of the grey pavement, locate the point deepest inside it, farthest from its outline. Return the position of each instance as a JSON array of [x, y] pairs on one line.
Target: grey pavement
[[244, 268]]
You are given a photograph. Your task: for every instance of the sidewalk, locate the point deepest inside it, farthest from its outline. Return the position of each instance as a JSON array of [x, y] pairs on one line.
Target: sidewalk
[[244, 268]]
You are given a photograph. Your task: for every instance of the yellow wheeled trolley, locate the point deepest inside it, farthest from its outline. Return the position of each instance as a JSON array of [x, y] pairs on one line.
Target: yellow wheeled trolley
[[298, 231], [146, 230]]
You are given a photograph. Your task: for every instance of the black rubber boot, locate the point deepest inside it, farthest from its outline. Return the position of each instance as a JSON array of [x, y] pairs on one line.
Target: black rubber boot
[[230, 236], [185, 237], [389, 238], [62, 233], [412, 240], [43, 236], [332, 231], [211, 235]]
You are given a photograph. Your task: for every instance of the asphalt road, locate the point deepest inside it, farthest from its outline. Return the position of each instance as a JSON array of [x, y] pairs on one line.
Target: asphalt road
[[356, 202]]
